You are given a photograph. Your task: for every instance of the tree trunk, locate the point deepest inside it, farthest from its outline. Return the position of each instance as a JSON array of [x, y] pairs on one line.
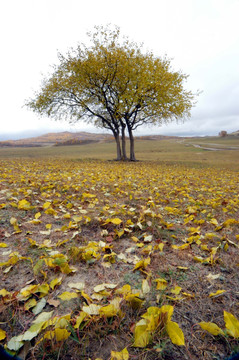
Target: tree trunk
[[124, 155], [131, 138], [118, 147]]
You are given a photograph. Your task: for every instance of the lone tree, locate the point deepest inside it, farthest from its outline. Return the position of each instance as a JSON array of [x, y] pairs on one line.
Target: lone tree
[[114, 85], [223, 133]]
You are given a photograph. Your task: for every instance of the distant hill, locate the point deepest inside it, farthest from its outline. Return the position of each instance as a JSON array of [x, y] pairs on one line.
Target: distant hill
[[69, 138], [235, 133], [61, 138]]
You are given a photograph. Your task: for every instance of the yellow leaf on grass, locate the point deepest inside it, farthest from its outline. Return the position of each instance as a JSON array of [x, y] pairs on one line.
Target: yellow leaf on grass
[[134, 300], [66, 296], [2, 334], [78, 286], [27, 291], [145, 287], [232, 324], [116, 221], [46, 205], [180, 247], [86, 297], [3, 245], [159, 247], [211, 328], [126, 289], [4, 292], [167, 309], [176, 290], [141, 335], [80, 319], [175, 333], [24, 205], [58, 334], [29, 304], [229, 222], [43, 289], [109, 310], [37, 215], [217, 293], [161, 283], [142, 264], [54, 282], [214, 221], [92, 309], [120, 355]]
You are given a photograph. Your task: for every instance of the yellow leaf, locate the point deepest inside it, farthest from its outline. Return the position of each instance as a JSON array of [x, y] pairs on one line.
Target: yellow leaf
[[217, 293], [46, 205], [126, 289], [80, 319], [24, 205], [175, 333], [29, 304], [161, 283], [141, 335], [159, 247], [214, 222], [167, 309], [188, 295], [4, 292], [43, 289], [3, 245], [58, 334], [61, 334], [2, 334], [32, 242], [176, 290], [78, 286], [77, 218], [66, 296], [181, 247], [109, 310], [116, 221], [182, 267], [229, 222], [145, 287], [211, 328], [27, 291], [92, 309], [134, 300], [142, 264], [232, 324], [86, 297], [120, 355], [54, 282], [37, 215]]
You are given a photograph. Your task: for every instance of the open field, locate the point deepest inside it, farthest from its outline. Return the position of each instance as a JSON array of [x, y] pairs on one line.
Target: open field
[[174, 151], [108, 260]]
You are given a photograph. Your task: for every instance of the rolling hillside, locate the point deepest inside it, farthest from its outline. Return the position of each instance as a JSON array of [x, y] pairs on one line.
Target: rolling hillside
[[51, 139]]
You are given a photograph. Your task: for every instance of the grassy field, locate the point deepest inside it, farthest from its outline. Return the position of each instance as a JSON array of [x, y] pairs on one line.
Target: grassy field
[[109, 260], [168, 151]]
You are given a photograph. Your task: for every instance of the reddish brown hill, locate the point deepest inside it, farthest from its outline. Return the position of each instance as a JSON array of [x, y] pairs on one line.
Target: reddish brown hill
[[58, 138]]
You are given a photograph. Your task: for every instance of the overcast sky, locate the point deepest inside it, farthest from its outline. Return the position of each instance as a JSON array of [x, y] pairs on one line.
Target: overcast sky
[[201, 36]]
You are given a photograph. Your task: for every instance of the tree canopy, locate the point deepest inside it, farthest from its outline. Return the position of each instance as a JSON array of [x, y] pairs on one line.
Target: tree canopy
[[115, 85]]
